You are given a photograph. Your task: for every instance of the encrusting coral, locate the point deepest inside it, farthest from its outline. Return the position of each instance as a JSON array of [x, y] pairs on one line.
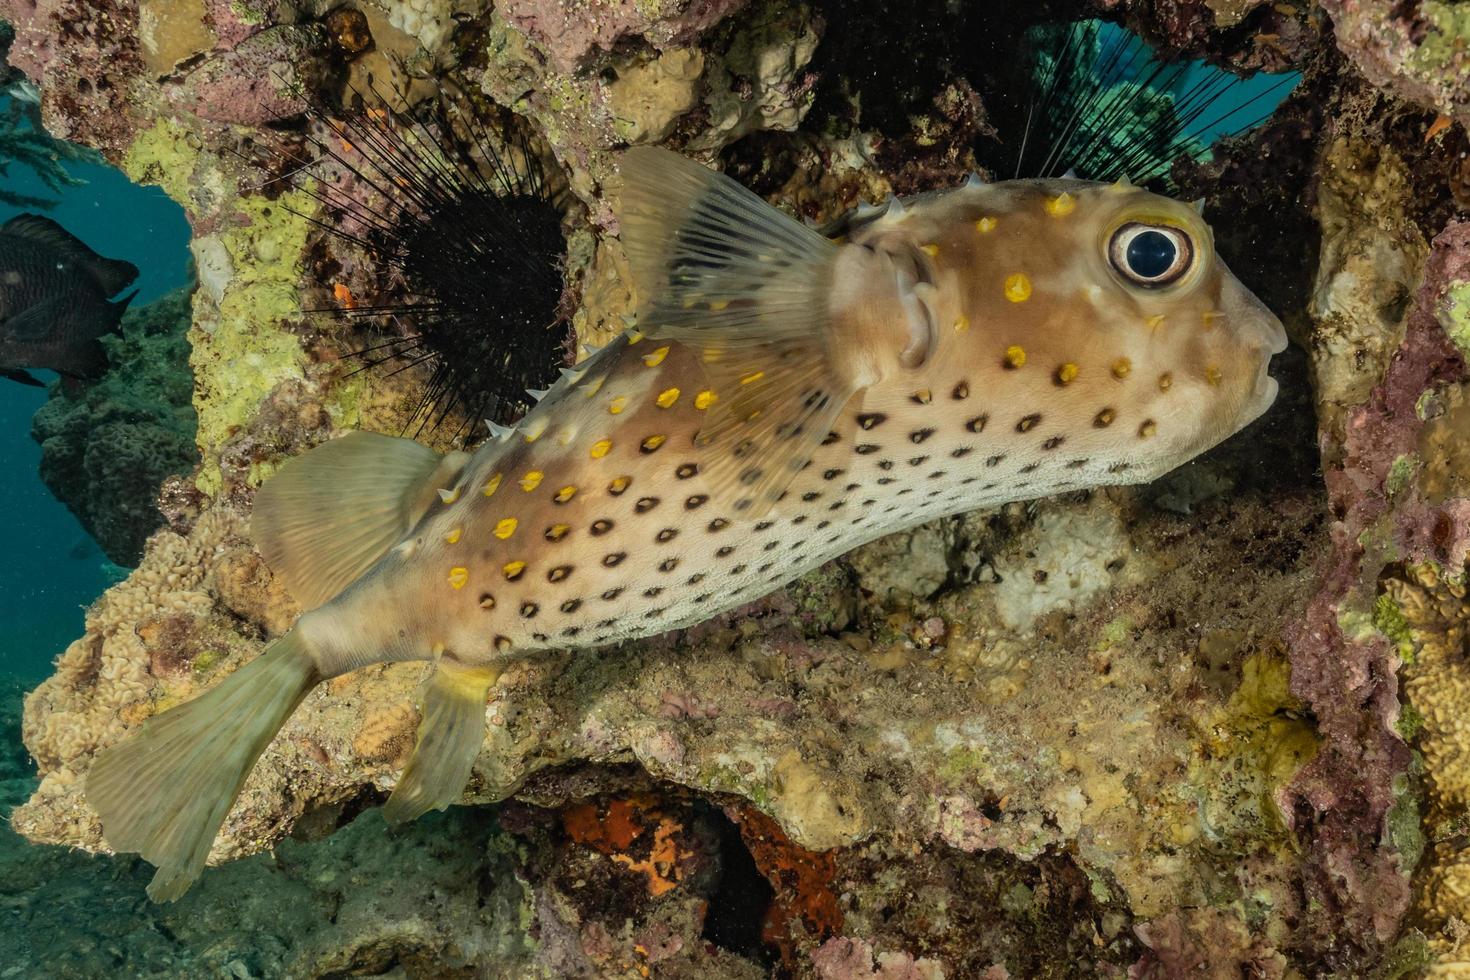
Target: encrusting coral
[[1152, 729]]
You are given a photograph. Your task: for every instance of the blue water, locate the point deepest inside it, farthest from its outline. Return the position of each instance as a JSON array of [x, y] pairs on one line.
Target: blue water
[[43, 587]]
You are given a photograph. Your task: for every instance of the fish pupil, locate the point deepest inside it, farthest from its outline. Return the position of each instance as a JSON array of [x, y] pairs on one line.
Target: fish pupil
[[1151, 254]]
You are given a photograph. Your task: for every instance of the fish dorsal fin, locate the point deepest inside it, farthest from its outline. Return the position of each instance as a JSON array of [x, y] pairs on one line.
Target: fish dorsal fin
[[111, 275], [746, 288], [330, 514]]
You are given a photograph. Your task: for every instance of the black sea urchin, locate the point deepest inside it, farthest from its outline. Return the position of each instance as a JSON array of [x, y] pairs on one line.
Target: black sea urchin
[[455, 212]]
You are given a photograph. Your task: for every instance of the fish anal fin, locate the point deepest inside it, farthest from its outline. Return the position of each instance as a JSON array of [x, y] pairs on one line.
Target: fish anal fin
[[449, 738], [22, 376], [330, 514]]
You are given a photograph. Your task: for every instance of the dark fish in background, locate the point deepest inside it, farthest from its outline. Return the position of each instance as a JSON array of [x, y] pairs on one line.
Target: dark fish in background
[[54, 300]]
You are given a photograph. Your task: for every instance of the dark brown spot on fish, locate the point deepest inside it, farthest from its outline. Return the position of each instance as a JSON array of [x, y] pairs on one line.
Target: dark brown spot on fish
[[666, 535], [686, 470], [763, 525], [937, 475], [831, 437], [994, 460], [867, 448], [718, 524], [738, 570], [920, 435], [978, 423], [1120, 467], [1053, 442], [810, 495], [837, 506], [698, 500], [487, 601], [1030, 467], [770, 546], [869, 420], [618, 486], [961, 391], [695, 579], [922, 397], [571, 605], [529, 610], [1028, 422], [832, 474], [609, 596], [571, 631], [502, 643], [765, 568], [1076, 464], [961, 452], [851, 487], [558, 573], [885, 464], [917, 460], [601, 527], [540, 637], [799, 519], [703, 597], [1103, 419], [1147, 429], [752, 475], [884, 481], [645, 504], [614, 559], [823, 525], [653, 593], [743, 448], [725, 552], [651, 444]]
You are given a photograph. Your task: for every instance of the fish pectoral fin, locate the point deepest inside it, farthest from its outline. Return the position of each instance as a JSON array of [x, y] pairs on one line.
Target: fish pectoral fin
[[747, 289], [449, 738], [24, 377], [35, 322], [330, 514]]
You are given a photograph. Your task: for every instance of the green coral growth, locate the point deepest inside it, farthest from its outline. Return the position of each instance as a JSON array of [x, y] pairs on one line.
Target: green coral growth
[[1454, 316], [1401, 474], [1410, 721], [1389, 620], [1448, 37]]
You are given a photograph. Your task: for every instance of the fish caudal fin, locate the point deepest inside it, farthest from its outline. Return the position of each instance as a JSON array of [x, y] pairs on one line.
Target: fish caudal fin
[[746, 288], [449, 739], [329, 514], [165, 791]]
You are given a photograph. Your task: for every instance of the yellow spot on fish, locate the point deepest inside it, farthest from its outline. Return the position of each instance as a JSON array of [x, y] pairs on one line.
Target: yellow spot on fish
[[506, 528], [1147, 429], [566, 435], [923, 396], [458, 577], [961, 324], [449, 496], [595, 385], [1166, 381], [1212, 375], [533, 428], [930, 250], [620, 484], [656, 358], [1155, 322], [1061, 205], [557, 531], [617, 404], [752, 377], [1209, 317], [1067, 373], [565, 493], [719, 304], [713, 354], [513, 569], [531, 480], [1018, 287], [634, 336], [453, 536], [492, 485], [652, 443], [600, 448], [667, 397], [1015, 357], [705, 399], [986, 225], [1122, 367]]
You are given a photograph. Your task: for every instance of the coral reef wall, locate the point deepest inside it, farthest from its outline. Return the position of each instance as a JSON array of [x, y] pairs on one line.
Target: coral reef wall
[[1206, 727]]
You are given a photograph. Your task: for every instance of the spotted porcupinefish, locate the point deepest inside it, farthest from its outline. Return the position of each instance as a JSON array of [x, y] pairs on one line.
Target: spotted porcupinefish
[[785, 396], [54, 300]]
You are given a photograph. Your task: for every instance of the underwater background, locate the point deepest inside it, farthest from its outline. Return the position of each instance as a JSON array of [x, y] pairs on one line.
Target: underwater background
[[1204, 727]]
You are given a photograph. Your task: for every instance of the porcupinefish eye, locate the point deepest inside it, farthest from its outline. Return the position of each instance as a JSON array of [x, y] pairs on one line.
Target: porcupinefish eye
[[1150, 255]]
